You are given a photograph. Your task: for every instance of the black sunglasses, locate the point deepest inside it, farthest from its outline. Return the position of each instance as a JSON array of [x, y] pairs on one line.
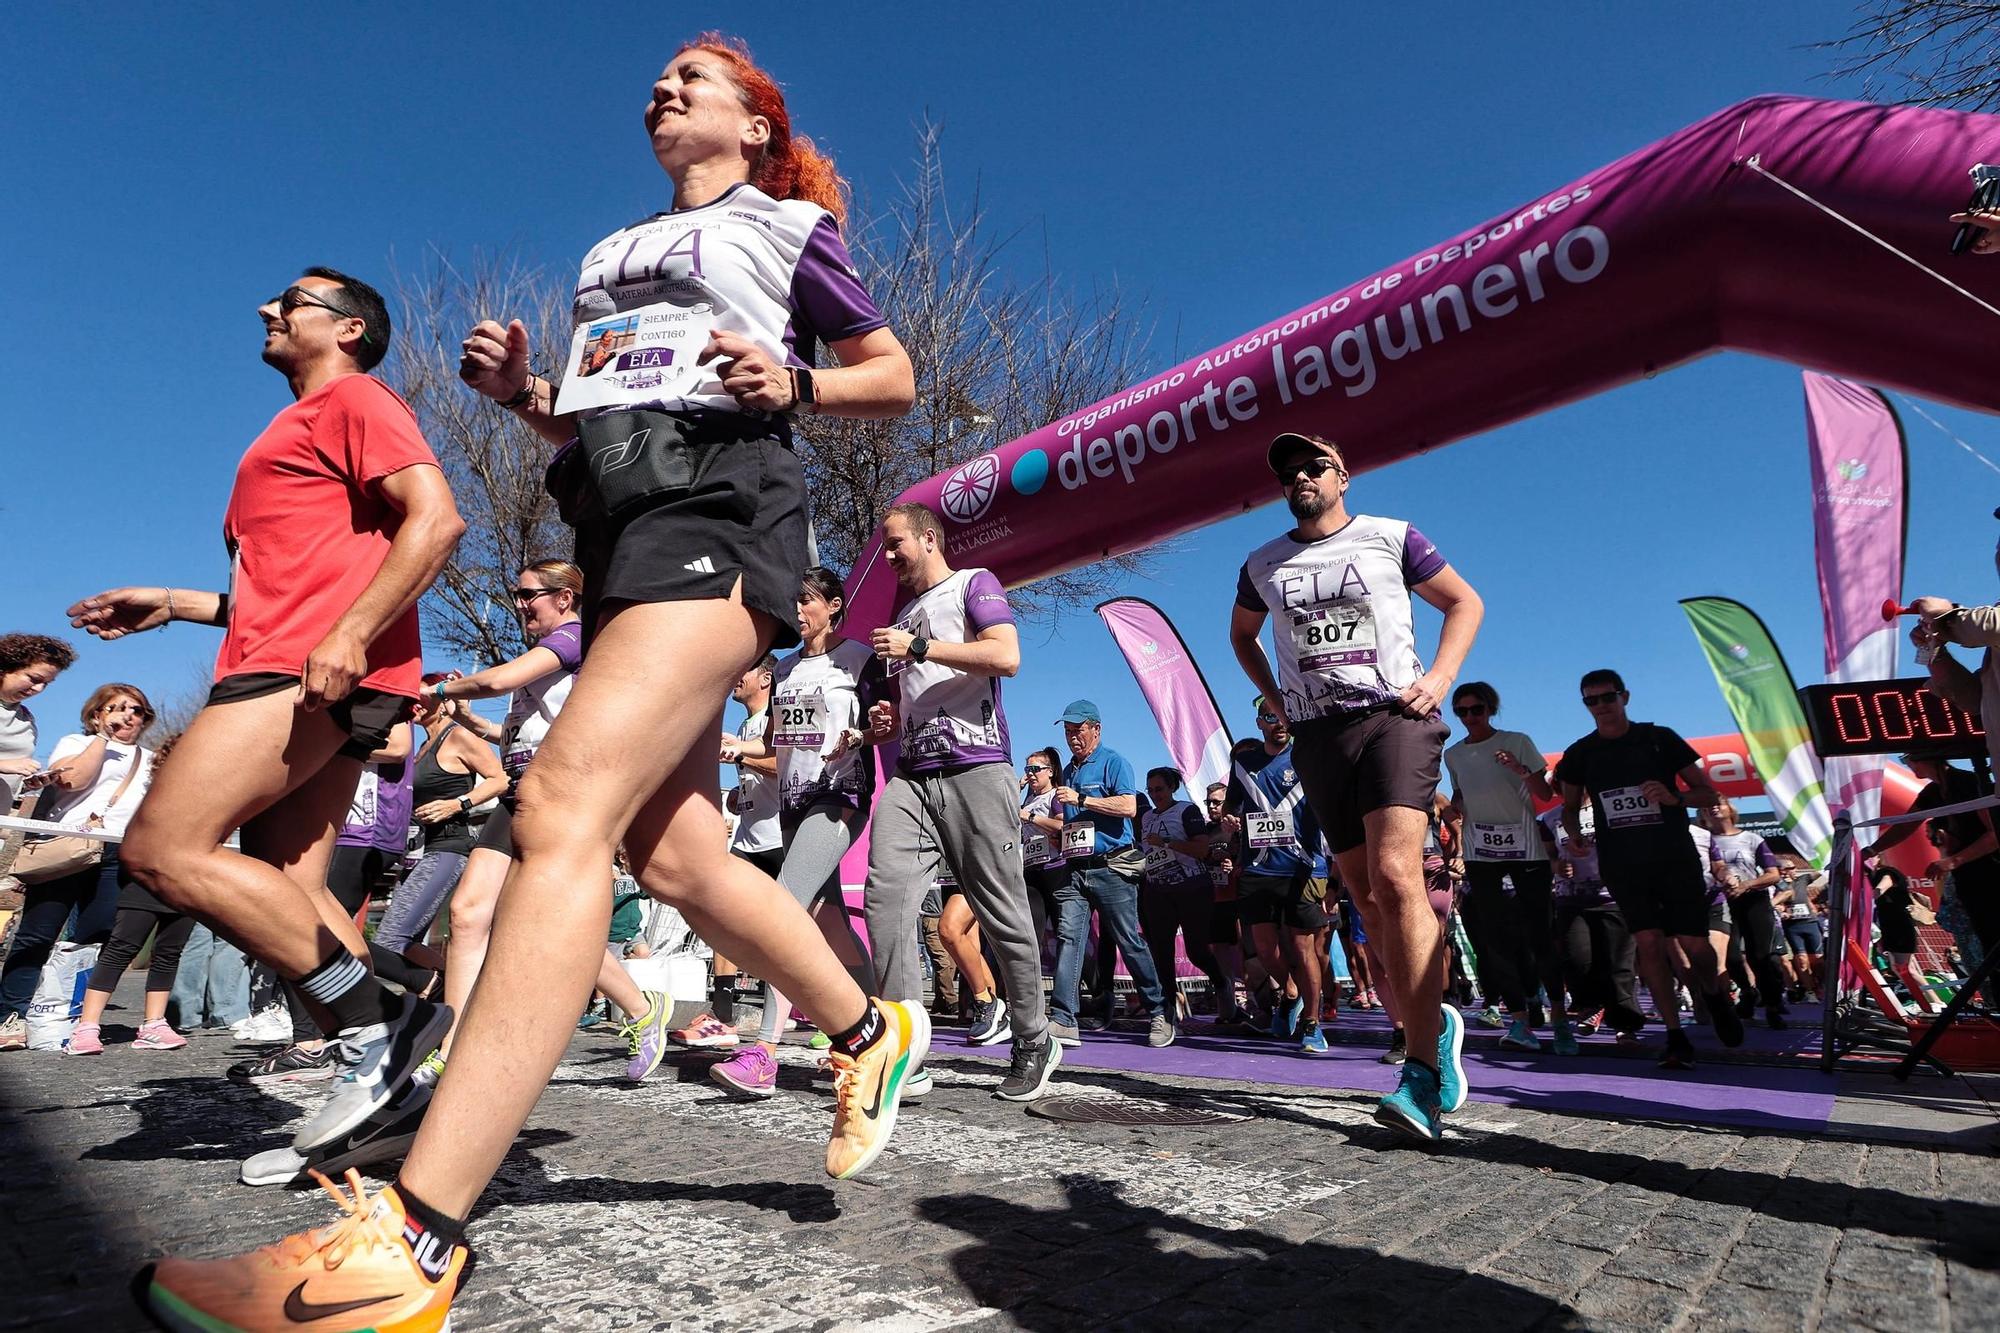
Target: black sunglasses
[[1038, 768], [1314, 468], [525, 595], [295, 296], [1593, 700], [1266, 717], [1470, 710]]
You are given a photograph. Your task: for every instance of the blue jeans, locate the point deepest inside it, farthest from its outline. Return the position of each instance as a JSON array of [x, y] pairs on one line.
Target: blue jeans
[[213, 986], [1117, 905], [90, 897]]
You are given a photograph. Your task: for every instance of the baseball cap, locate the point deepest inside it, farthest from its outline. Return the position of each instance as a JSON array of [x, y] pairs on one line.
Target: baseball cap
[[1083, 710], [1291, 444]]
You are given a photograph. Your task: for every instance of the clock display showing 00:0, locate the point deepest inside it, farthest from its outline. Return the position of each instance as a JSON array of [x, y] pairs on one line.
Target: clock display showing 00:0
[[1889, 717]]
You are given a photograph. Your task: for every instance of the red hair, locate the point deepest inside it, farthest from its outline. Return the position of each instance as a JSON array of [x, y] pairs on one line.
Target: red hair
[[789, 167]]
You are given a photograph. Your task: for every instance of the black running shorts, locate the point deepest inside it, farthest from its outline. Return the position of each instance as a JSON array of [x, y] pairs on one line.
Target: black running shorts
[[367, 716], [744, 518], [1352, 766]]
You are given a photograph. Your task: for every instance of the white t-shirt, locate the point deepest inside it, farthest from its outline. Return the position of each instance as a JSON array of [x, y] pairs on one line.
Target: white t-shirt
[[1340, 609], [1177, 823], [532, 709], [73, 809], [1499, 812], [814, 699], [756, 799], [1745, 854], [17, 741], [1040, 849], [951, 718]]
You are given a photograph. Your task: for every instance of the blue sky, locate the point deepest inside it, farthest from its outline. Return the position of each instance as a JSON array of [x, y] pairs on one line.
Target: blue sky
[[168, 168]]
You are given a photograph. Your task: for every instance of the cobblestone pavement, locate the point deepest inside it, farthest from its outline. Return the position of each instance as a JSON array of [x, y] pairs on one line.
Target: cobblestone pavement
[[667, 1206]]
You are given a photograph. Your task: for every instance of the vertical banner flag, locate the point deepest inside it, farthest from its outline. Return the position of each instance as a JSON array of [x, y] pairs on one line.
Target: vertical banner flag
[[1758, 689], [1174, 689], [1858, 456], [1859, 460]]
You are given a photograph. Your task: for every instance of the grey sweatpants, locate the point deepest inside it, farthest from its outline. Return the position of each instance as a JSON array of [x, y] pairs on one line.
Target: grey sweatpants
[[972, 818], [815, 840]]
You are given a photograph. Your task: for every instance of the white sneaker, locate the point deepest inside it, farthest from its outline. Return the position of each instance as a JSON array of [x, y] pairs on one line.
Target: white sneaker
[[271, 1023]]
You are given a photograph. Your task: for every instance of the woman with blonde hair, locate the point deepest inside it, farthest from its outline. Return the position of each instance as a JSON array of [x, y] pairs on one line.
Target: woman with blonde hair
[[96, 779]]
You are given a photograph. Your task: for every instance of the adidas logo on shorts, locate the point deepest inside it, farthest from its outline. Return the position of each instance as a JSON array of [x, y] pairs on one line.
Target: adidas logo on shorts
[[701, 566]]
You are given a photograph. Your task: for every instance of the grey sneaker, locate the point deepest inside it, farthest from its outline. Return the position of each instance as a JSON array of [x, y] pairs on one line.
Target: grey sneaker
[[990, 1023], [917, 1085], [1028, 1077], [1161, 1031], [384, 1137], [379, 1060], [13, 1033], [1065, 1034]]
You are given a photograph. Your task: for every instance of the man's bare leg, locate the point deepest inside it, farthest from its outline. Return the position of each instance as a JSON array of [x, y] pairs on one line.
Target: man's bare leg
[[1387, 870]]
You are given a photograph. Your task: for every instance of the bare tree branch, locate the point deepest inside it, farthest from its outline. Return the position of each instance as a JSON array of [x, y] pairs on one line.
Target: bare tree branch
[[1926, 52]]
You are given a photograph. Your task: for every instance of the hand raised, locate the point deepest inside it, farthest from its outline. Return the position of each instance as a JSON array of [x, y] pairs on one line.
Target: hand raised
[[495, 360], [748, 372], [121, 611]]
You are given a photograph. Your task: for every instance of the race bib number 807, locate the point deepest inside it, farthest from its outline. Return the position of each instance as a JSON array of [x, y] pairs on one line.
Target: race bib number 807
[[1337, 634]]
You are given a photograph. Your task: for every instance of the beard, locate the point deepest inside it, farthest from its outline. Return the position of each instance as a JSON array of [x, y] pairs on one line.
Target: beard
[[1305, 507]]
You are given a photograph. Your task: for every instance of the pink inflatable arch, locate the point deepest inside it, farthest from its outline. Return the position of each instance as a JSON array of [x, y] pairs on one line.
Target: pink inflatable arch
[[1677, 250]]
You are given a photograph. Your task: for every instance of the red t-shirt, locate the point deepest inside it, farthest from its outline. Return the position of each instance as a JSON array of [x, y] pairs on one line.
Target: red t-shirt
[[308, 528]]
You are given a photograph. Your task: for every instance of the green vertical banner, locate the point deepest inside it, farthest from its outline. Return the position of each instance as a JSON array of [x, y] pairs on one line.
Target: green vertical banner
[[1758, 688]]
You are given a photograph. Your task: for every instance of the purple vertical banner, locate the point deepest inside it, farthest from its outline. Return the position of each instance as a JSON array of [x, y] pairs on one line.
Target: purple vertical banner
[[1858, 462], [1174, 689]]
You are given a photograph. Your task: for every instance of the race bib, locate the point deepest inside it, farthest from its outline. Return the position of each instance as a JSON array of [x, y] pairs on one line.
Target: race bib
[[1628, 807], [801, 722], [1218, 877], [1799, 911], [1336, 634], [1271, 829], [1079, 839], [1162, 864], [1035, 850], [1498, 842], [642, 356]]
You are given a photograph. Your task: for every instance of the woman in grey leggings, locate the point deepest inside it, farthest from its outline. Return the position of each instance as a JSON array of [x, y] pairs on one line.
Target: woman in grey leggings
[[826, 778]]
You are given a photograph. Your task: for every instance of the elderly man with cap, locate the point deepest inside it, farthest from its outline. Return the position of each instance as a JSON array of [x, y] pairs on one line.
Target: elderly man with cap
[[1366, 736], [1099, 798]]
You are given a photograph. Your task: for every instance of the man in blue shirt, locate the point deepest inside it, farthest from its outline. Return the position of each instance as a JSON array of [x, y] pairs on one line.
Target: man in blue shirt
[[1099, 797]]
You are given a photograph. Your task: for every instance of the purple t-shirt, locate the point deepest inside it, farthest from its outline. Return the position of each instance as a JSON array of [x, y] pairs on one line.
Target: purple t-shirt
[[951, 719], [379, 814]]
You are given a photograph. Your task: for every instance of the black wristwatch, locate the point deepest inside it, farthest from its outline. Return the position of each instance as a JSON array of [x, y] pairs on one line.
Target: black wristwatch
[[804, 397], [464, 805], [920, 648]]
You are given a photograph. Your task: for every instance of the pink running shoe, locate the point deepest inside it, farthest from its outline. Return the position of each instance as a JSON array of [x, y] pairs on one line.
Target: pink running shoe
[[707, 1033], [84, 1040], [752, 1071], [158, 1035]]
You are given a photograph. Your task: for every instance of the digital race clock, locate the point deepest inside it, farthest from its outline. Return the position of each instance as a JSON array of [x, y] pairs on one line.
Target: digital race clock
[[1890, 717]]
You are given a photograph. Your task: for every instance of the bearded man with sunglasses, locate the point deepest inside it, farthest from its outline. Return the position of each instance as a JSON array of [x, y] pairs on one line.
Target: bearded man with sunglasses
[[1640, 779], [338, 521], [1366, 736]]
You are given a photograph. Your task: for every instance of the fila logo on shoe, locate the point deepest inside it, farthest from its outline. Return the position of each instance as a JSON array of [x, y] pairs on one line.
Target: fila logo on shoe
[[701, 566]]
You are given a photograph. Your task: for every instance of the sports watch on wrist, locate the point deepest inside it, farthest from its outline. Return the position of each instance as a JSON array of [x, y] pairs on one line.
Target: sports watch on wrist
[[804, 396], [920, 648]]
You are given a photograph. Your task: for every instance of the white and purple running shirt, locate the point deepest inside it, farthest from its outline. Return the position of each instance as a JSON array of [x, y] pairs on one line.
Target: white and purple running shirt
[[773, 270], [1340, 611], [951, 719], [532, 709], [813, 700]]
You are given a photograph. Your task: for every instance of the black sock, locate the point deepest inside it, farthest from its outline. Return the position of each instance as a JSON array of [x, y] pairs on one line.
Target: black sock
[[344, 985], [863, 1034], [723, 998], [430, 1234]]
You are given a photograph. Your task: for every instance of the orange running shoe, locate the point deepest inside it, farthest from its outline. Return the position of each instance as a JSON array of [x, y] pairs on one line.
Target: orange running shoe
[[868, 1087], [355, 1275]]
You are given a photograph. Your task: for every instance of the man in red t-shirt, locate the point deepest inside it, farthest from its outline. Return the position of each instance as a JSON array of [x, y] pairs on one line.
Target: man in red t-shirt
[[339, 519]]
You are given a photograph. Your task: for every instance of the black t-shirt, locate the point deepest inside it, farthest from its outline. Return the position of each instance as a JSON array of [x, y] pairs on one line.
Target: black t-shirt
[[1892, 910], [1612, 771], [1964, 829]]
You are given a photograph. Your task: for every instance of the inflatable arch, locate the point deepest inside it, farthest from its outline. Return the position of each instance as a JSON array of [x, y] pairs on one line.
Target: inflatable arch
[[1682, 248]]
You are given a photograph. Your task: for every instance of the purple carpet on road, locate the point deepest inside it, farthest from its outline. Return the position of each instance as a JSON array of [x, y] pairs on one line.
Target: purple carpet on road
[[1736, 1095]]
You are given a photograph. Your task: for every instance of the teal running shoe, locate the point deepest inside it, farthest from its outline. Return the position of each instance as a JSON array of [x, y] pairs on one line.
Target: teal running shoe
[[1412, 1109], [1312, 1041], [1564, 1040], [1451, 1069]]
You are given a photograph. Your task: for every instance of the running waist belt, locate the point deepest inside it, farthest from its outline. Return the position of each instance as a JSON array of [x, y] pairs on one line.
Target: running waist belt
[[624, 462]]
